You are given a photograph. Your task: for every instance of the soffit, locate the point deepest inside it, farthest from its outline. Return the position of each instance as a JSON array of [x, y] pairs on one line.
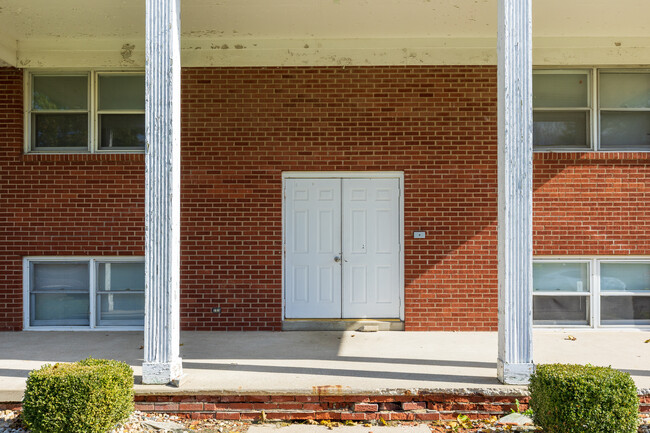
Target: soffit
[[339, 27]]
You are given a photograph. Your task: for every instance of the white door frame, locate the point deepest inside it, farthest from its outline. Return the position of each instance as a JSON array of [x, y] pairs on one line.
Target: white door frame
[[399, 175]]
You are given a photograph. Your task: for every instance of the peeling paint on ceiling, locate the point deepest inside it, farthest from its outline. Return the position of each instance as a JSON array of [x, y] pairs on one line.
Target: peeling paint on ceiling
[[352, 31]]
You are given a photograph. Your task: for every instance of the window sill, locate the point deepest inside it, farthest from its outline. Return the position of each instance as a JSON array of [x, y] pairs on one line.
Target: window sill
[[592, 155], [84, 328]]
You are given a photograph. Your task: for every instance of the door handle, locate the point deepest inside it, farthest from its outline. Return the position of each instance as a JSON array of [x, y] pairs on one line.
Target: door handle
[[337, 259]]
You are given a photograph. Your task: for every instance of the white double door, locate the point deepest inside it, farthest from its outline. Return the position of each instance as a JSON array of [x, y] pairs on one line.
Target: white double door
[[342, 248]]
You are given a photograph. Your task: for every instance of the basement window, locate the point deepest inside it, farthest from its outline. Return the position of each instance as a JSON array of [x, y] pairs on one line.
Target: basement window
[[62, 293], [561, 293], [596, 292], [85, 112], [591, 109]]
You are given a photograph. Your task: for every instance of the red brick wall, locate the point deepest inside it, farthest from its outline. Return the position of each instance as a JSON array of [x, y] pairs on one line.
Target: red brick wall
[[592, 204], [59, 204], [242, 127]]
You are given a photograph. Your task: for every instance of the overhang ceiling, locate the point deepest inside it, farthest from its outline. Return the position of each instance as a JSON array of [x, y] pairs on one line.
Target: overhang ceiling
[[42, 33]]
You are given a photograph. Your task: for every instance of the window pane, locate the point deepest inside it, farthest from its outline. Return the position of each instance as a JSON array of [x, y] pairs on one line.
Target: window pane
[[630, 90], [121, 92], [561, 128], [120, 276], [121, 131], [59, 309], [60, 276], [124, 309], [624, 129], [560, 90], [60, 93], [561, 310], [624, 276], [60, 130], [624, 310], [564, 277]]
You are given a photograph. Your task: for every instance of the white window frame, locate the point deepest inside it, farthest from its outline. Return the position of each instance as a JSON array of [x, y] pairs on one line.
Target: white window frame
[[93, 110], [594, 107], [599, 109], [589, 294], [595, 293], [591, 92], [92, 291]]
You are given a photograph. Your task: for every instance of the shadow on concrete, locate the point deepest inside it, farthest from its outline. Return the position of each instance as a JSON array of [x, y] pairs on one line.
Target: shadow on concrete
[[340, 372]]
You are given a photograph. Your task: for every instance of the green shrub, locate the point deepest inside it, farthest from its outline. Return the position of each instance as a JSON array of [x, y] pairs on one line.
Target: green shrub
[[583, 399], [90, 396]]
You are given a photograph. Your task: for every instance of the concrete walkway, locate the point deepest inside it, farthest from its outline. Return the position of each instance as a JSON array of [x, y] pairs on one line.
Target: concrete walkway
[[322, 362]]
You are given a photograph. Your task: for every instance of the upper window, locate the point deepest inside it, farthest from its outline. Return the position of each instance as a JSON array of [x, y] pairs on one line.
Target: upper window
[[591, 109], [86, 112]]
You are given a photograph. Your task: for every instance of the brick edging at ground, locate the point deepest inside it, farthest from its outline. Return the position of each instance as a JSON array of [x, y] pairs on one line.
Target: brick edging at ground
[[420, 406], [357, 407]]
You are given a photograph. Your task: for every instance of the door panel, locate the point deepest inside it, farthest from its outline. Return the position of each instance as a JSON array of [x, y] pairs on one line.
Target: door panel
[[313, 240], [371, 248]]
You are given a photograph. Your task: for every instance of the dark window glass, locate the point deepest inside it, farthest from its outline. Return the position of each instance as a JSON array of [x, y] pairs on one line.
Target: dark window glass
[[561, 310], [60, 130], [121, 131], [625, 310]]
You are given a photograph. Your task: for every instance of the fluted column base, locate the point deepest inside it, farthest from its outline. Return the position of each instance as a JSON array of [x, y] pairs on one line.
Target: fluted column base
[[161, 373], [514, 374]]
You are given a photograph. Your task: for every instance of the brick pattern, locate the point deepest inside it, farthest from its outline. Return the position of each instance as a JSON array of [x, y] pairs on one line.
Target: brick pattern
[[59, 204], [592, 204], [242, 127], [415, 407]]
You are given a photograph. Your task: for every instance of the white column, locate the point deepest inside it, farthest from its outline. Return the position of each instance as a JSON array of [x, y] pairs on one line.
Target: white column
[[515, 159], [162, 363]]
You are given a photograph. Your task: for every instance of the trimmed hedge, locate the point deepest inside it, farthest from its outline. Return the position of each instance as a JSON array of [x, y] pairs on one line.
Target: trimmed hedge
[[568, 398], [89, 396]]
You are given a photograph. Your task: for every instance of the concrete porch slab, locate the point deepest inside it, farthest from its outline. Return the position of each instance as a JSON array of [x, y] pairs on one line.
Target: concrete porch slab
[[324, 362]]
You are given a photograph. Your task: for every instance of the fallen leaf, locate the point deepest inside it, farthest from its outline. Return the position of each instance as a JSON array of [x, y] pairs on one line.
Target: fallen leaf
[[382, 421], [570, 338], [464, 421], [647, 341], [141, 347]]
